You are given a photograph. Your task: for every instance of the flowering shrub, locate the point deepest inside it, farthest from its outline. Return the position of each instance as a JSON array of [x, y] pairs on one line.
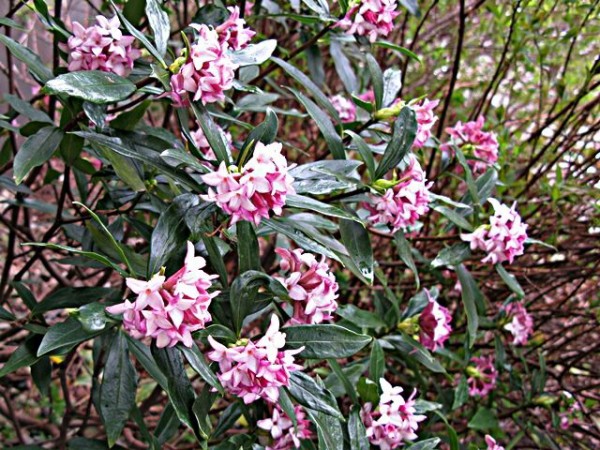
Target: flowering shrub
[[286, 225]]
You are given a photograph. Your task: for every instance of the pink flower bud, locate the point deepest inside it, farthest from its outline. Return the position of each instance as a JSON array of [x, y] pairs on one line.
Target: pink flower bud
[[426, 119], [481, 145], [483, 376], [371, 18], [434, 325], [521, 324], [281, 428]]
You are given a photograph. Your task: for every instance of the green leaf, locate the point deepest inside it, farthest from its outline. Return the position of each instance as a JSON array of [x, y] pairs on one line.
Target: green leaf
[[510, 280], [25, 109], [325, 341], [453, 217], [124, 167], [6, 315], [392, 82], [360, 317], [343, 67], [376, 362], [215, 258], [357, 241], [201, 409], [471, 295], [329, 431], [403, 136], [280, 226], [70, 297], [93, 86], [25, 294], [33, 61], [412, 6], [145, 358], [303, 202], [24, 356], [265, 132], [452, 256], [180, 390], [170, 233], [311, 395], [198, 363], [254, 54], [484, 420], [341, 376], [248, 252], [368, 390], [405, 253], [310, 86], [376, 79], [357, 432], [35, 151], [333, 139], [404, 51], [427, 444], [461, 393], [67, 333], [212, 132], [117, 391], [365, 152], [408, 347], [159, 22], [128, 120]]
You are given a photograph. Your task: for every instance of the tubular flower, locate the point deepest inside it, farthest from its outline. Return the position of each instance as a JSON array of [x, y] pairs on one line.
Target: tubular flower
[[371, 18], [207, 73], [250, 193], [280, 426], [311, 285], [434, 325], [471, 138], [345, 108], [394, 421], [491, 443], [521, 325], [483, 376], [402, 205], [101, 47], [426, 119], [255, 370], [503, 238], [171, 309], [233, 31]]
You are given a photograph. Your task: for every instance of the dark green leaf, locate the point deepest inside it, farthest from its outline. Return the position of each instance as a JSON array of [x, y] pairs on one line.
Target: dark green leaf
[[201, 410], [36, 150], [33, 61], [357, 432], [376, 362], [343, 66], [483, 420], [117, 392], [254, 54], [408, 347], [360, 317], [24, 108], [248, 252], [404, 51], [365, 152], [427, 444], [41, 373], [453, 217], [198, 363], [264, 132], [311, 395], [159, 22], [405, 130], [145, 358], [471, 295], [211, 131], [405, 253], [341, 376], [25, 294], [67, 333], [215, 258], [325, 341], [93, 86], [303, 202], [333, 139], [24, 356], [357, 241], [72, 298], [299, 238], [329, 431], [510, 280], [368, 390], [452, 256], [376, 80]]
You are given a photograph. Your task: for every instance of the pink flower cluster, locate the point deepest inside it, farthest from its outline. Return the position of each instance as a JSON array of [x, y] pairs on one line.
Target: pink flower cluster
[[402, 205], [255, 370], [372, 18], [434, 325], [395, 421], [233, 31], [280, 426], [503, 238], [483, 376], [202, 144], [251, 192], [345, 108], [426, 119], [521, 324], [471, 138], [311, 285], [492, 444], [169, 310], [101, 47]]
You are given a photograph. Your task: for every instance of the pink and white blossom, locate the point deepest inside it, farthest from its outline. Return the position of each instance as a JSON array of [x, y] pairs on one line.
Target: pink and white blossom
[[371, 18], [402, 205], [492, 444], [101, 47], [503, 238], [473, 141], [233, 31], [434, 325], [521, 324], [207, 73], [395, 421], [281, 428], [169, 309], [345, 108], [426, 119], [311, 286], [251, 370], [254, 191], [483, 376]]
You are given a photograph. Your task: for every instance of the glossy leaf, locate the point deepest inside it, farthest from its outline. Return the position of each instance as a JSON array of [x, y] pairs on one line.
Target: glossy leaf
[[405, 130], [357, 241], [33, 61], [311, 395], [376, 79], [159, 22], [91, 85], [405, 253], [199, 364], [303, 202], [248, 251], [470, 297], [35, 151], [65, 334], [408, 347], [452, 256], [325, 341], [357, 433], [254, 54]]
